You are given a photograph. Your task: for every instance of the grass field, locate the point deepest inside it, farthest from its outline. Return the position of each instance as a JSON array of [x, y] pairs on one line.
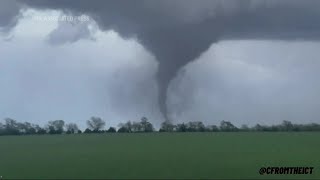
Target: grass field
[[158, 155]]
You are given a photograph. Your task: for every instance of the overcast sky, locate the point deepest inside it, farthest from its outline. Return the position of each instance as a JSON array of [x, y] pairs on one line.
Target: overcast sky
[[53, 69]]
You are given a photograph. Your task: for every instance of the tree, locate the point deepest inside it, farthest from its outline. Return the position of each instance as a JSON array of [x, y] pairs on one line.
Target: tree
[[191, 127], [181, 127], [27, 128], [112, 130], [146, 125], [38, 129], [259, 127], [213, 128], [72, 128], [56, 127], [287, 125], [195, 126], [136, 127], [11, 127], [310, 127], [41, 131], [123, 130], [2, 129], [167, 126], [201, 127], [227, 126], [275, 128], [87, 131], [95, 124], [125, 127]]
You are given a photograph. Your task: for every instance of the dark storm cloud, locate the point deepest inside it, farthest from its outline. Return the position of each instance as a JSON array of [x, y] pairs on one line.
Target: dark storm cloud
[[178, 31], [9, 14]]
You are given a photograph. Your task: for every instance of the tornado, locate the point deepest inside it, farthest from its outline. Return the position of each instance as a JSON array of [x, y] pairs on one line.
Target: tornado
[[174, 50]]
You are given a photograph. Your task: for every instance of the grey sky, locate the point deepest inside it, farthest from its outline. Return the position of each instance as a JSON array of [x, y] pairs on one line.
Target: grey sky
[[261, 65], [74, 81], [250, 82]]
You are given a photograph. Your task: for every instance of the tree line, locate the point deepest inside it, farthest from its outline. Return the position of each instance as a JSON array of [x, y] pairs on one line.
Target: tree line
[[97, 125]]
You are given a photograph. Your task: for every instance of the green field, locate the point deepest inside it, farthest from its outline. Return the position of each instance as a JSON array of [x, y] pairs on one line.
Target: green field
[[158, 155]]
